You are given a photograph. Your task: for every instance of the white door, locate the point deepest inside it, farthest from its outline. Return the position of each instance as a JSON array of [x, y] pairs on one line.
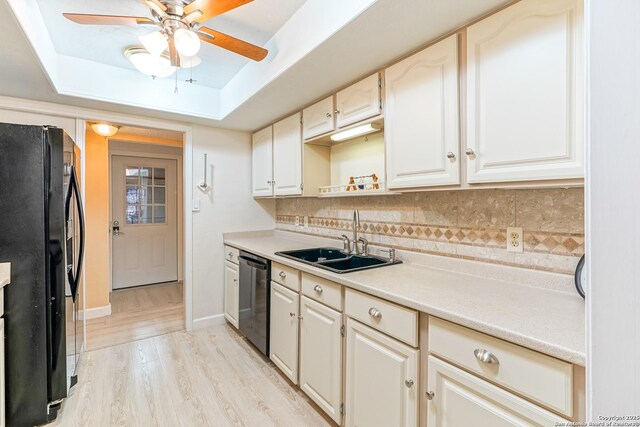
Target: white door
[[287, 157], [421, 118], [283, 330], [461, 399], [359, 101], [262, 162], [231, 293], [318, 118], [321, 356], [525, 95], [144, 221], [382, 379]]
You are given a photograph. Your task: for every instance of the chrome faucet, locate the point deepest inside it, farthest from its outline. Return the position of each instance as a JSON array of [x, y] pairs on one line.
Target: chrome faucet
[[356, 226]]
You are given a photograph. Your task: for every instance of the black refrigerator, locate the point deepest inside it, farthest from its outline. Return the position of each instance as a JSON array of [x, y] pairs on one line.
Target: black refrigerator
[[42, 236]]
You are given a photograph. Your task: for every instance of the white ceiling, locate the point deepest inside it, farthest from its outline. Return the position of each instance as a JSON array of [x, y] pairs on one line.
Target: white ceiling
[[255, 22], [373, 38], [149, 133]]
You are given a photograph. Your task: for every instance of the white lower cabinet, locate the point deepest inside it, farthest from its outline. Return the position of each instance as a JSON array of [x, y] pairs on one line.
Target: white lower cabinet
[[460, 399], [321, 356], [2, 384], [283, 347], [231, 293], [381, 379]]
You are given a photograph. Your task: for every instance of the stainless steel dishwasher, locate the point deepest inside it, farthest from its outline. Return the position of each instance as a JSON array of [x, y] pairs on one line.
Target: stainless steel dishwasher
[[255, 290]]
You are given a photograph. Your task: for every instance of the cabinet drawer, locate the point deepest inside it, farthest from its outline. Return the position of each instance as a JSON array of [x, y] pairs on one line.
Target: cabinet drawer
[[534, 375], [392, 319], [322, 290], [286, 276], [231, 254]]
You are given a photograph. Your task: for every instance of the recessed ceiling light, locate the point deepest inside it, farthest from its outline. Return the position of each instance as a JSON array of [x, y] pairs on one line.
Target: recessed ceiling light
[[146, 63], [104, 129]]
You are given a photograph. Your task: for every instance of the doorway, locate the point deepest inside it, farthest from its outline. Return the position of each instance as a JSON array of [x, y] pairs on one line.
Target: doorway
[[138, 215]]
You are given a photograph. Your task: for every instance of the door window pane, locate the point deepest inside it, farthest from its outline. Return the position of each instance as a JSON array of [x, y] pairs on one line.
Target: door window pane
[[145, 195]]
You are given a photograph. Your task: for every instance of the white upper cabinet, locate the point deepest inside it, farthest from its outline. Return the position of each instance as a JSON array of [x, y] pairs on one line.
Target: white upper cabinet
[[318, 118], [287, 157], [525, 93], [359, 101], [421, 118], [262, 166]]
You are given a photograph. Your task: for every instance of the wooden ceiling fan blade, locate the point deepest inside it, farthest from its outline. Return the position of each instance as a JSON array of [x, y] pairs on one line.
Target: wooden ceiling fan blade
[[174, 56], [233, 44], [88, 19], [156, 6], [211, 8]]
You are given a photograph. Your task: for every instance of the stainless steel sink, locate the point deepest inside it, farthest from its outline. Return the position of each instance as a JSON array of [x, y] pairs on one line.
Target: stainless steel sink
[[335, 260]]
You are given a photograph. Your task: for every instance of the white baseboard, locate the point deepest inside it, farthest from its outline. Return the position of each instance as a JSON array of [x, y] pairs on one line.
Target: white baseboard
[[205, 322], [94, 313]]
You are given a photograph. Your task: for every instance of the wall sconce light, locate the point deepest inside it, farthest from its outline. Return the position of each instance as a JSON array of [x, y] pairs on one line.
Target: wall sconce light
[[104, 129]]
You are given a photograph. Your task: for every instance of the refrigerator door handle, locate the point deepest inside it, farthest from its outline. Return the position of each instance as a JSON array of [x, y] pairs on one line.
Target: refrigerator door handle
[[74, 189]]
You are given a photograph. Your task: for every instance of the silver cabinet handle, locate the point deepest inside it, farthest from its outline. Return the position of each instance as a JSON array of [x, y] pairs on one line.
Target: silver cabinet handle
[[235, 280], [292, 314], [282, 274], [430, 395], [318, 289], [470, 152], [408, 383], [375, 313], [328, 115], [451, 155], [230, 254], [485, 356]]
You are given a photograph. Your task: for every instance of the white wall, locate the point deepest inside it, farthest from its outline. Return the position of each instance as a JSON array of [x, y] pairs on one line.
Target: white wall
[[228, 206], [25, 118], [613, 209]]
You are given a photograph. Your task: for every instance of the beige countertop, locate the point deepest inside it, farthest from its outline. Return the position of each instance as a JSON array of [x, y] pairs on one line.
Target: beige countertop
[[541, 317], [5, 274]]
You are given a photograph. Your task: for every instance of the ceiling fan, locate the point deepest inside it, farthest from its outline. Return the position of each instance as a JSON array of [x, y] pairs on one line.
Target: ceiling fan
[[180, 28]]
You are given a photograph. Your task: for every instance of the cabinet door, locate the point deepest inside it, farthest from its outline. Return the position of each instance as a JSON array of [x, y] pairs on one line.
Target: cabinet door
[[284, 330], [262, 162], [421, 118], [382, 379], [318, 118], [231, 293], [460, 399], [358, 102], [321, 356], [287, 157], [525, 93]]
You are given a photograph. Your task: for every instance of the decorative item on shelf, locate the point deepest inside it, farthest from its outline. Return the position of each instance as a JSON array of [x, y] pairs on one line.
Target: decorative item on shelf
[[203, 186], [358, 185]]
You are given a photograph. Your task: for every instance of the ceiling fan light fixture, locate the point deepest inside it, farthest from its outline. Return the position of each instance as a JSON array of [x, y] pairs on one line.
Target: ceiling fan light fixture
[[187, 42], [104, 129], [190, 61], [155, 42], [151, 65]]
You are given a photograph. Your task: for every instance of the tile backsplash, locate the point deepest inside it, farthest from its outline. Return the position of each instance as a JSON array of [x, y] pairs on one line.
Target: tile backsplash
[[470, 224]]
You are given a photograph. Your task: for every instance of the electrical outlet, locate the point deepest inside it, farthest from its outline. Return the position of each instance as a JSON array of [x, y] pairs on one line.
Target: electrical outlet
[[297, 221], [306, 221], [515, 239]]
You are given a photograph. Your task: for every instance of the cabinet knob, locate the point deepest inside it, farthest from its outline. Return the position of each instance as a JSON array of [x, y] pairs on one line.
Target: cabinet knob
[[292, 314], [451, 155], [408, 383], [336, 112], [230, 254], [328, 115], [469, 152], [282, 274], [485, 356], [318, 289], [375, 313], [235, 280], [430, 395]]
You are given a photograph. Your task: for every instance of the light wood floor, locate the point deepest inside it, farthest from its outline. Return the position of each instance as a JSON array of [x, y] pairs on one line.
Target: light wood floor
[[138, 313], [210, 377]]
